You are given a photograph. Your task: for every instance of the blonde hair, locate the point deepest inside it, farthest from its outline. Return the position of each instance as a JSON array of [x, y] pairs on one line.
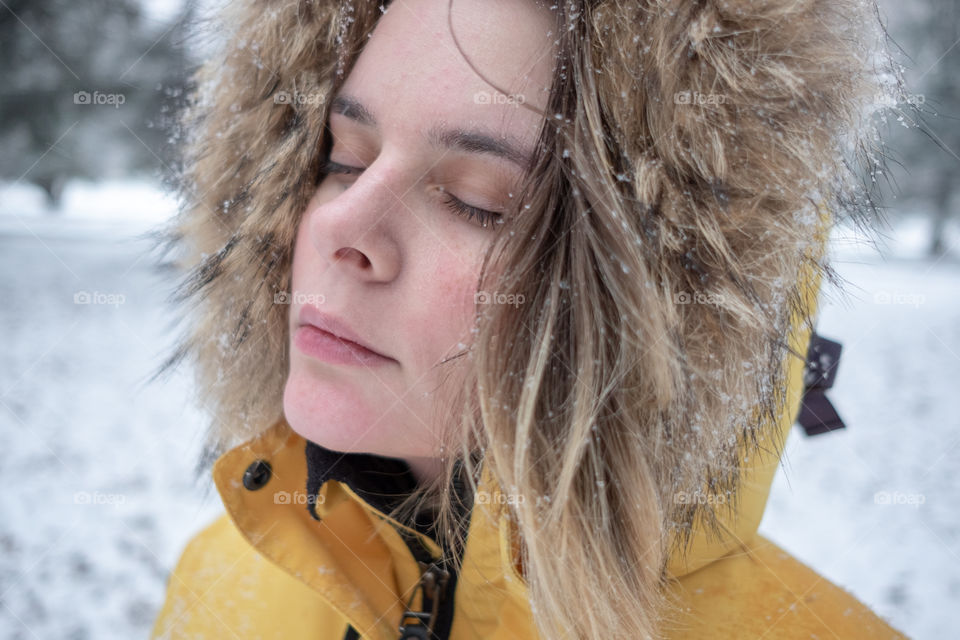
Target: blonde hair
[[656, 245]]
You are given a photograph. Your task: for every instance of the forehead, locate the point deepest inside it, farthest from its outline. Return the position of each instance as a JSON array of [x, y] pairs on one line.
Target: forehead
[[411, 72]]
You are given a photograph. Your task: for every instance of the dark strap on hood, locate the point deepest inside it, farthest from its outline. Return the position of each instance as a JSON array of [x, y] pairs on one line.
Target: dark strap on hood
[[817, 414]]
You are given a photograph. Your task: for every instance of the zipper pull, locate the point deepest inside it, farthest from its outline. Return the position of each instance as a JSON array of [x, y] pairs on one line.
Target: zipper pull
[[433, 583]]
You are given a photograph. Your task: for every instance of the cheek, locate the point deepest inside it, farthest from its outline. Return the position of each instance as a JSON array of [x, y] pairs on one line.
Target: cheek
[[299, 252], [301, 245], [444, 314], [455, 297]]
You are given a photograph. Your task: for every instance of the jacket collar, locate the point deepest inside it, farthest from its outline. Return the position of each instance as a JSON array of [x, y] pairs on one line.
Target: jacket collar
[[351, 553]]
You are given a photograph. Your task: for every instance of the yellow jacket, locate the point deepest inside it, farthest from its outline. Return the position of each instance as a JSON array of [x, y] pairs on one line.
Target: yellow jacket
[[268, 569]]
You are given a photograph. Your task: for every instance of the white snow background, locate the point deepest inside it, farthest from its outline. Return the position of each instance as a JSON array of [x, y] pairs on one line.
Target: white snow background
[[99, 500]]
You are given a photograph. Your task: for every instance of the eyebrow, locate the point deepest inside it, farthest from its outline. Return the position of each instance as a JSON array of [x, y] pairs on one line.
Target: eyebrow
[[469, 141]]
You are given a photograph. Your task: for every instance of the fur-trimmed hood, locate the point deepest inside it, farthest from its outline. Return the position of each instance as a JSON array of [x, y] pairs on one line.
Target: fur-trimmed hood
[[729, 136]]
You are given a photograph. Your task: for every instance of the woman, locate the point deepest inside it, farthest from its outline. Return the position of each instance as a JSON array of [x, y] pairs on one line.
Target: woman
[[500, 310]]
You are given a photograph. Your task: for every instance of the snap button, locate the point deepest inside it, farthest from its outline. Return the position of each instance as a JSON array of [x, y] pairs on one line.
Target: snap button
[[256, 475]]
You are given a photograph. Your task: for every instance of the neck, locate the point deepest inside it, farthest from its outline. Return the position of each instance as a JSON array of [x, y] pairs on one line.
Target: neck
[[425, 469]]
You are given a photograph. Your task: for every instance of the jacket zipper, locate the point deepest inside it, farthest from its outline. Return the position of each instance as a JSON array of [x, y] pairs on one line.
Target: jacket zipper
[[438, 584], [422, 625]]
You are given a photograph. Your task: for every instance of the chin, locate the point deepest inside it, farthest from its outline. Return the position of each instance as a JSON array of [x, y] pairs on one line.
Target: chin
[[331, 414], [338, 415]]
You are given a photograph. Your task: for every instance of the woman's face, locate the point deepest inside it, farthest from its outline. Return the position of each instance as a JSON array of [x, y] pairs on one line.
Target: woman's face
[[390, 245]]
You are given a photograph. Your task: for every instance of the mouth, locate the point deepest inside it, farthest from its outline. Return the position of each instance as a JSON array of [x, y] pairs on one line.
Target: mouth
[[328, 338]]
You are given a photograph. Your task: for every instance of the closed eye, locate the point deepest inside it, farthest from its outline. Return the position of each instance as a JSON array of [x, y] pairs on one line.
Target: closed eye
[[483, 216]]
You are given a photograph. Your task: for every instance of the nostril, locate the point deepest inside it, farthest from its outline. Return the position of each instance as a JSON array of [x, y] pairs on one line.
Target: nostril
[[349, 253]]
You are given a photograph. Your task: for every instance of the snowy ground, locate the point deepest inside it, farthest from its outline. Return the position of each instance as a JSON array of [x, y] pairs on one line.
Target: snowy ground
[[104, 499]]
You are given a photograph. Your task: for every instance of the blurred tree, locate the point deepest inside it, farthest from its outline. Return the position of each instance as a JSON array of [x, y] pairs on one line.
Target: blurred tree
[[930, 32], [89, 88], [944, 92]]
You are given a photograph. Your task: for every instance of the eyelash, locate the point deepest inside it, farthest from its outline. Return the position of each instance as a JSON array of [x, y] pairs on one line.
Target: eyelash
[[483, 216]]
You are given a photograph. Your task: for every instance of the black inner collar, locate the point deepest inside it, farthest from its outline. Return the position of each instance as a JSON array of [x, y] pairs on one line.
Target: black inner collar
[[380, 480]]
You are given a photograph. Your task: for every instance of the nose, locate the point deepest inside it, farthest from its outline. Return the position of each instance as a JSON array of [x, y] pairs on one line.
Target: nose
[[357, 231]]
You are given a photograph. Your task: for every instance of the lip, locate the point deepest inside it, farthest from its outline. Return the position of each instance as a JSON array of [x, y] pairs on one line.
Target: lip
[[328, 338]]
